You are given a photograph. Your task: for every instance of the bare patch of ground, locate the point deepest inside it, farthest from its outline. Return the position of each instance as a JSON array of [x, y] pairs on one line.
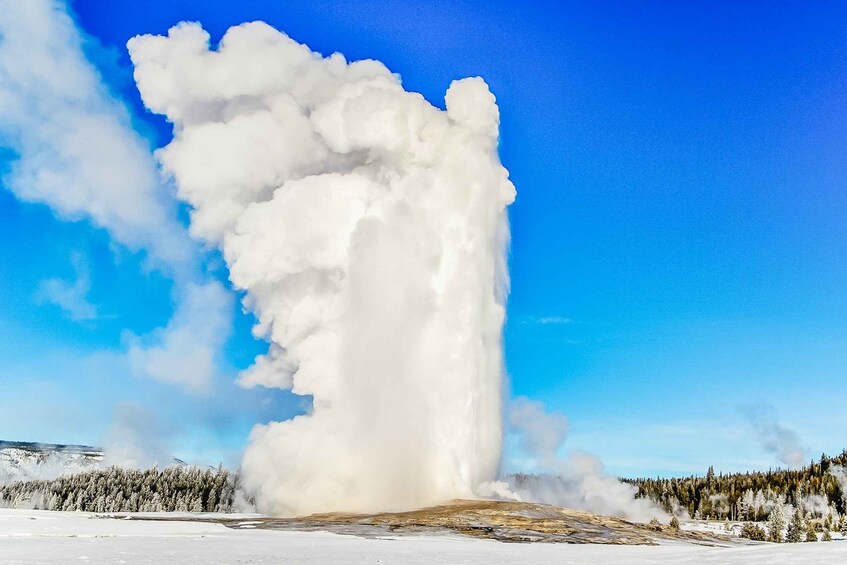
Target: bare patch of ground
[[502, 521]]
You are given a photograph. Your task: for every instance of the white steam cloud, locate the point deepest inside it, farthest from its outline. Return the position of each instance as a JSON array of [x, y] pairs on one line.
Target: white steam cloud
[[541, 433], [577, 480], [840, 474], [773, 437], [368, 229], [136, 439], [78, 153]]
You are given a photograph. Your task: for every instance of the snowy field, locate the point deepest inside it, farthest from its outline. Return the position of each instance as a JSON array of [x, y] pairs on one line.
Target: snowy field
[[35, 537]]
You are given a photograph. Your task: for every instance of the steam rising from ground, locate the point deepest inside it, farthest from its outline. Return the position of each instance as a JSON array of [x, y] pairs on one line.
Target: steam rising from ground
[[368, 230], [366, 226], [136, 439], [840, 474], [577, 480]]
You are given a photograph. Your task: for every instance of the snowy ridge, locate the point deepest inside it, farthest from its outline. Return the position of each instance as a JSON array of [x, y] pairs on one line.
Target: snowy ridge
[[26, 460]]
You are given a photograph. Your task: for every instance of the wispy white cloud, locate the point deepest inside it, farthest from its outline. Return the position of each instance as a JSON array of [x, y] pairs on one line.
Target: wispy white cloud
[[184, 352], [77, 152], [70, 296]]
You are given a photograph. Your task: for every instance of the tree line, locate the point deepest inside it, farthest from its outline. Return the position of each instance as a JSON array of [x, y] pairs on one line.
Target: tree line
[[816, 490], [115, 489]]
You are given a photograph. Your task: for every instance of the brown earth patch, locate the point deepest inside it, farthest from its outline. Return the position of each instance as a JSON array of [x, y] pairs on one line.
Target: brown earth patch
[[502, 521]]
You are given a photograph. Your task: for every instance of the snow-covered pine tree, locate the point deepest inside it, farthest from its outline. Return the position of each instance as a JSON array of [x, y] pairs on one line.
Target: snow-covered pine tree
[[746, 504], [811, 533], [796, 528], [753, 532], [776, 523]]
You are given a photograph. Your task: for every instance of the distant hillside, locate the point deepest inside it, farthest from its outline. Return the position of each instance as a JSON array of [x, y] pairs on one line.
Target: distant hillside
[[818, 489], [34, 447], [27, 460]]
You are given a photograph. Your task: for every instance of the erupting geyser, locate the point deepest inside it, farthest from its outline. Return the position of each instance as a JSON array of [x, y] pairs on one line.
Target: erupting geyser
[[368, 229]]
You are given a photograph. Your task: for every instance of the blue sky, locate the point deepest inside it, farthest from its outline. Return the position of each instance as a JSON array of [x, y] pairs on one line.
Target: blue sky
[[678, 243]]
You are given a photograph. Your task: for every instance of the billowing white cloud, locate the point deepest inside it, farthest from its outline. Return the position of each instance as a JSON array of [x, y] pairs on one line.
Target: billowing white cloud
[[78, 153], [368, 229]]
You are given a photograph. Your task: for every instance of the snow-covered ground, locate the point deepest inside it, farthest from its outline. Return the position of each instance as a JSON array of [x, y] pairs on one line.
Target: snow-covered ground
[[720, 528], [40, 537]]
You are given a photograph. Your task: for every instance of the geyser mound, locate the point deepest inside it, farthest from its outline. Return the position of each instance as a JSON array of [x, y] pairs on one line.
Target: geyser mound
[[368, 230]]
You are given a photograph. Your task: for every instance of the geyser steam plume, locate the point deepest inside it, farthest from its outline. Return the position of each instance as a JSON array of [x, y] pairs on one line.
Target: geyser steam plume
[[368, 230]]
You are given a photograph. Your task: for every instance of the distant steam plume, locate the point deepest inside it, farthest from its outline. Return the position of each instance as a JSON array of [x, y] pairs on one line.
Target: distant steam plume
[[773, 437], [368, 229]]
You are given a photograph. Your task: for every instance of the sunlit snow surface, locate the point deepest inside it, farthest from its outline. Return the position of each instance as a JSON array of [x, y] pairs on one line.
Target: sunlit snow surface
[[32, 537]]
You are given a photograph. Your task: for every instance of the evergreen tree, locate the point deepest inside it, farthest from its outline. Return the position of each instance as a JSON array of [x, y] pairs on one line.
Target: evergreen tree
[[776, 523], [753, 532], [796, 528], [749, 495], [745, 504], [811, 533], [124, 490]]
